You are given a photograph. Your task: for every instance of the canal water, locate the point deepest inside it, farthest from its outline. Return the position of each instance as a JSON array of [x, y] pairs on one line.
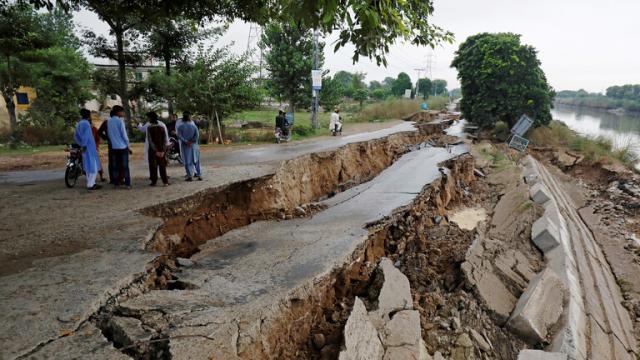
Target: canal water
[[621, 129]]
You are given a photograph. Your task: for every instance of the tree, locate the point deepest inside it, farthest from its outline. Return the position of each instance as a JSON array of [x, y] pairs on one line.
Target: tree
[[424, 87], [345, 79], [440, 87], [217, 84], [374, 84], [169, 40], [361, 95], [371, 26], [21, 31], [289, 61], [501, 79], [331, 93], [379, 94], [400, 84]]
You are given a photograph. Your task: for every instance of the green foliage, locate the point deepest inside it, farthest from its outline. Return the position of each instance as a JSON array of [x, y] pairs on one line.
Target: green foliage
[[374, 84], [438, 102], [424, 87], [625, 97], [289, 50], [440, 87], [455, 93], [501, 130], [361, 95], [388, 109], [331, 93], [379, 94], [216, 82], [400, 84], [501, 80]]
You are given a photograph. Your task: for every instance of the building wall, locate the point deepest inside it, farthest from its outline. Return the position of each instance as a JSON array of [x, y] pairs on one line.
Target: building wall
[[22, 93]]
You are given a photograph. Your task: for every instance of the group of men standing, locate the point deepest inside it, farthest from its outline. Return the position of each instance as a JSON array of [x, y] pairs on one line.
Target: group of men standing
[[157, 144]]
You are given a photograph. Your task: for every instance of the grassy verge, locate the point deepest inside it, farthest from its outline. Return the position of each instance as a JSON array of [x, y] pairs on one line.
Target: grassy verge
[[596, 149], [6, 150]]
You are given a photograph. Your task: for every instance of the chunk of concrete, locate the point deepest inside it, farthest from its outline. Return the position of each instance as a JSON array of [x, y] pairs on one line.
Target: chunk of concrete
[[408, 353], [403, 329], [539, 193], [395, 294], [544, 234], [530, 175], [539, 307], [360, 336], [540, 355]]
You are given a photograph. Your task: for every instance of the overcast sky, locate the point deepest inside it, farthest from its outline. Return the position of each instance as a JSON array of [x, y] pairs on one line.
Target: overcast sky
[[588, 44]]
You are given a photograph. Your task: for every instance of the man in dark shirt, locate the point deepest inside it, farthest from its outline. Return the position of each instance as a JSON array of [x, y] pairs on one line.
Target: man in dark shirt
[[157, 147], [281, 123]]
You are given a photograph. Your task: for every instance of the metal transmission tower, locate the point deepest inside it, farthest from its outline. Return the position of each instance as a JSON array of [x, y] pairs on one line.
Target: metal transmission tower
[[419, 70], [255, 48]]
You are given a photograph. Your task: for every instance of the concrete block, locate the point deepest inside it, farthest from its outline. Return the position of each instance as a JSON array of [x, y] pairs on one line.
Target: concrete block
[[360, 336], [530, 175], [540, 355], [539, 193], [545, 234], [539, 307], [403, 329], [395, 294]]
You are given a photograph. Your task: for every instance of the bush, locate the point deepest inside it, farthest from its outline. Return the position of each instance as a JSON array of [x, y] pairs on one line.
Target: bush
[[501, 130], [303, 130], [438, 102], [44, 135], [388, 109]]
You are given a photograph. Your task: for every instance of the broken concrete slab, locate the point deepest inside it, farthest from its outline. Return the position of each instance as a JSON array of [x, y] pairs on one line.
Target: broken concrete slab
[[539, 193], [540, 355], [360, 336], [539, 307], [530, 175], [127, 330], [545, 234], [395, 294], [403, 329], [85, 343]]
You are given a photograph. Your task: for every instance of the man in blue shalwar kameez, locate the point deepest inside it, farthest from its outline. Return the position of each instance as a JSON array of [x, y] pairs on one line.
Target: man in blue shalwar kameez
[[188, 134], [84, 138]]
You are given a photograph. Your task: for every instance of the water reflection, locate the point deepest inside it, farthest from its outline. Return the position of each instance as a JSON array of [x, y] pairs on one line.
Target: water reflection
[[621, 129]]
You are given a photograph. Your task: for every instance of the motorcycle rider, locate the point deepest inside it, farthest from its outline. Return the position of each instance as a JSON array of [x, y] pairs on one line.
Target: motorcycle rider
[[335, 124], [281, 123]]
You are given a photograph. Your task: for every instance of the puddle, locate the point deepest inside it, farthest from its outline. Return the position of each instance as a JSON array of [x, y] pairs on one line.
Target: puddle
[[469, 218]]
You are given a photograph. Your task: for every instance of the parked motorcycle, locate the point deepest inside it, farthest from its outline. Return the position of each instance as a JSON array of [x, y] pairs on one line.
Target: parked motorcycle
[[173, 152], [74, 165]]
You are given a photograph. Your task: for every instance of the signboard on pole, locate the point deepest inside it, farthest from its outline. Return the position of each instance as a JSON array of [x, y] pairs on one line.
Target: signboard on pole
[[407, 93], [316, 79]]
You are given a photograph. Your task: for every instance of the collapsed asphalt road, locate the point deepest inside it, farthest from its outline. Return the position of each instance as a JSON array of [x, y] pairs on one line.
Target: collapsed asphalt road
[[66, 253]]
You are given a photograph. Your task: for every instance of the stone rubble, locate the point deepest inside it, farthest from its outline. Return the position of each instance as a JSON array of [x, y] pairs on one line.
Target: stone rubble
[[390, 332]]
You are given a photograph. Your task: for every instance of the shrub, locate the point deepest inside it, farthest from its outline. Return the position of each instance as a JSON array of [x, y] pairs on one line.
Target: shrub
[[388, 109], [501, 130]]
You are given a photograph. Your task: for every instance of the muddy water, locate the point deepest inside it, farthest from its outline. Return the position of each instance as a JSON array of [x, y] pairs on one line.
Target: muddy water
[[622, 129]]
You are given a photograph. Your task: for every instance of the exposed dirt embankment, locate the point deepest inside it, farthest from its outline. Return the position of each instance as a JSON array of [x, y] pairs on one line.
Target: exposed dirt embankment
[[191, 221], [309, 324]]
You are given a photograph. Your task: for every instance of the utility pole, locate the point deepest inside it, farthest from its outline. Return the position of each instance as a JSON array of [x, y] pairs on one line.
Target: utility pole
[[315, 92]]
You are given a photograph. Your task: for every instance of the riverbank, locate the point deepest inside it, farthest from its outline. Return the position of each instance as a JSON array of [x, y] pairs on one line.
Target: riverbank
[[600, 104]]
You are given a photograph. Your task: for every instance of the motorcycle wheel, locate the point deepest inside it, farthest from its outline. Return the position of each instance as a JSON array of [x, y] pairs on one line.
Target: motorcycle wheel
[[71, 176]]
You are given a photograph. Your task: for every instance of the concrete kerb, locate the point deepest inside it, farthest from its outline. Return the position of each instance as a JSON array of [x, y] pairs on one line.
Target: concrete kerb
[[540, 355], [539, 193], [545, 234]]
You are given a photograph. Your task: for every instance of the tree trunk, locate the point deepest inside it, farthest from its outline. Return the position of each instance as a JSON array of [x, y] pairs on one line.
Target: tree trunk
[[167, 67], [122, 75], [8, 99]]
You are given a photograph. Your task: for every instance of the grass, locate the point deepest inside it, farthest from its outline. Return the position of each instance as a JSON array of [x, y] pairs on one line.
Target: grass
[[399, 108], [595, 149], [6, 150], [498, 160]]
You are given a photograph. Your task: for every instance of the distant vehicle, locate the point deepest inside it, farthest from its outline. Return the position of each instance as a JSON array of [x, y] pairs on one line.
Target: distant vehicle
[[282, 134], [74, 165]]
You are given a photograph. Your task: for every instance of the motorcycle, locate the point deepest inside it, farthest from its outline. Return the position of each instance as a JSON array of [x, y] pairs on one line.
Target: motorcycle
[[282, 134], [74, 165], [337, 129], [173, 152]]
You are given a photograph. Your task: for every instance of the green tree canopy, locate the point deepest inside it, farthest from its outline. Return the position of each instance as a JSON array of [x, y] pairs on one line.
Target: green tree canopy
[[424, 87], [439, 87], [400, 84], [289, 60], [331, 93], [501, 79]]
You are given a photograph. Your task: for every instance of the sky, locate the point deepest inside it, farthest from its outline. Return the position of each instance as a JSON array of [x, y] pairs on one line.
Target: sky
[[582, 44]]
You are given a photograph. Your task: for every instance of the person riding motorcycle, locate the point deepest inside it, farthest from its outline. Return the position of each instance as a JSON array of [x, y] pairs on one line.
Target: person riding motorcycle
[[282, 124], [335, 125]]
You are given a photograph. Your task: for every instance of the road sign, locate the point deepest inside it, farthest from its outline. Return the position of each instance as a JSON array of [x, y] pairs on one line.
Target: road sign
[[522, 126], [407, 93], [518, 142], [316, 79]]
